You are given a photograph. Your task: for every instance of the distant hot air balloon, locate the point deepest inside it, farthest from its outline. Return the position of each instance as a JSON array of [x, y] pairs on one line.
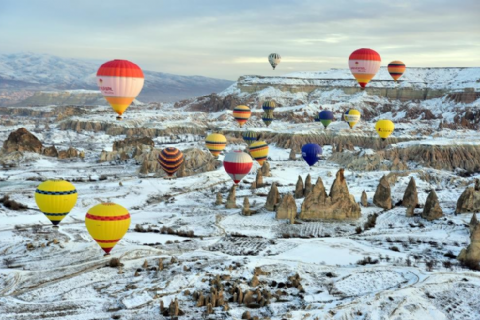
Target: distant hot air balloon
[[241, 114], [396, 69], [107, 223], [250, 137], [274, 59], [269, 105], [215, 143], [311, 153], [55, 198], [170, 160], [352, 116], [325, 117], [384, 128], [317, 117], [237, 164], [120, 81], [364, 64], [267, 117], [259, 151]]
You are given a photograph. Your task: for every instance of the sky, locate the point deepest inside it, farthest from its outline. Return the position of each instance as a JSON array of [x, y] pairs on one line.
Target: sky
[[227, 39]]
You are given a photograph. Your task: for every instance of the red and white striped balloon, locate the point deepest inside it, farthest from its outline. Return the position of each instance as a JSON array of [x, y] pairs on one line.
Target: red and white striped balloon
[[237, 164]]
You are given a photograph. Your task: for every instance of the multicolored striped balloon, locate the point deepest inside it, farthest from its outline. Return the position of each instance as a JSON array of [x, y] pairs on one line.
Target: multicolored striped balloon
[[107, 223], [250, 137], [241, 114], [215, 143], [396, 69], [364, 65], [56, 198], [268, 105], [325, 117], [237, 164], [259, 151], [120, 81], [170, 160], [352, 116], [267, 117]]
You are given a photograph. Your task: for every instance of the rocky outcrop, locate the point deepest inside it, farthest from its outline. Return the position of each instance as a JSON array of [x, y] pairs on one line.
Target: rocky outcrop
[[22, 140], [338, 205], [259, 180], [472, 252], [231, 199], [382, 197], [469, 200], [364, 199], [246, 207], [219, 199], [308, 186], [432, 209], [287, 209], [266, 169], [50, 151], [292, 155], [67, 154], [273, 198], [410, 197], [299, 188], [129, 143]]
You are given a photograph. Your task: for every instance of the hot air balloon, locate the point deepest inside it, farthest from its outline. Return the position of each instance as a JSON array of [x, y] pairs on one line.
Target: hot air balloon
[[241, 114], [311, 153], [259, 151], [364, 64], [396, 69], [237, 164], [249, 137], [274, 59], [384, 128], [352, 116], [55, 198], [325, 117], [267, 117], [215, 143], [317, 117], [107, 223], [269, 105], [170, 160], [120, 81]]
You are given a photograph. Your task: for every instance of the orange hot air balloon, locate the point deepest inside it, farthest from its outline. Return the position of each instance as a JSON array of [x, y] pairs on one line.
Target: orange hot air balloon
[[120, 81], [396, 69], [364, 65]]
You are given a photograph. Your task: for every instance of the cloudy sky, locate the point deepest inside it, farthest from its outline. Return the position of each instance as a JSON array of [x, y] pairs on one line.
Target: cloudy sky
[[226, 39]]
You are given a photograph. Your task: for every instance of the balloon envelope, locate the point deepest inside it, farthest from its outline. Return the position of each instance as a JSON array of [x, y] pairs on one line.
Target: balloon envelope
[[170, 160], [325, 117], [55, 199], [237, 164], [215, 143], [364, 65], [120, 81], [384, 128], [311, 153], [274, 59], [268, 105], [396, 69], [107, 223], [241, 114], [249, 137], [259, 151], [352, 116], [267, 117]]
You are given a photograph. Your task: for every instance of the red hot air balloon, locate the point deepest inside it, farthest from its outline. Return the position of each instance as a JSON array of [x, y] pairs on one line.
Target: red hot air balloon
[[237, 164], [364, 65]]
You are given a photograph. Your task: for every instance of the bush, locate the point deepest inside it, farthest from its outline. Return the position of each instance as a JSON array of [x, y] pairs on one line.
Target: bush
[[12, 204], [430, 264], [358, 230], [450, 255], [371, 221], [114, 263], [394, 248], [447, 264], [367, 260]]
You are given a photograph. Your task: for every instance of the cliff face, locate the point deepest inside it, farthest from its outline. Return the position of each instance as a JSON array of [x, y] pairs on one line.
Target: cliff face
[[76, 98]]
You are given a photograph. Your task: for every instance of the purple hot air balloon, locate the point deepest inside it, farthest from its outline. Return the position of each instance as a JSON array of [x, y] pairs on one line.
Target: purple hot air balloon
[[311, 153]]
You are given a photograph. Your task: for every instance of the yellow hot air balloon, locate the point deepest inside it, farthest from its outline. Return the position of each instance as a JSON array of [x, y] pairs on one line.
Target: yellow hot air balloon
[[352, 116], [259, 151], [215, 143], [107, 223], [241, 114], [384, 128], [56, 198], [396, 69]]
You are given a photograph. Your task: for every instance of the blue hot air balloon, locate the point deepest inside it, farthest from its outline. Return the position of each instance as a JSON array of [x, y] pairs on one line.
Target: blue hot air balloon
[[311, 153], [325, 117]]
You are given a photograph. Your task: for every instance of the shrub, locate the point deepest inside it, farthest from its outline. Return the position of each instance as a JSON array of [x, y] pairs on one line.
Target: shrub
[[12, 204], [394, 248], [367, 260], [358, 230], [114, 263], [371, 221], [450, 255]]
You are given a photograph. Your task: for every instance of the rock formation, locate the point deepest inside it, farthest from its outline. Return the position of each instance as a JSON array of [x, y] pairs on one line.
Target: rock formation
[[259, 180], [292, 155], [246, 207], [129, 143], [287, 209], [67, 154], [382, 197], [22, 140], [231, 199], [50, 151], [266, 169], [432, 209], [410, 197], [308, 186], [364, 199], [273, 198], [472, 252], [469, 200], [339, 204], [299, 188], [219, 199]]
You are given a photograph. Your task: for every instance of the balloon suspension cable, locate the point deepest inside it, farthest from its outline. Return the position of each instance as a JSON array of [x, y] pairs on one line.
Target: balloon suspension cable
[[106, 254], [55, 227]]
